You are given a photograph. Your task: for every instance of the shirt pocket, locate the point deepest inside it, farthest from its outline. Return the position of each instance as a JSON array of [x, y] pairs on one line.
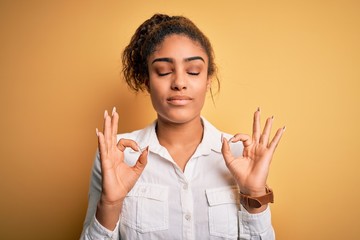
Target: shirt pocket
[[223, 211], [145, 208]]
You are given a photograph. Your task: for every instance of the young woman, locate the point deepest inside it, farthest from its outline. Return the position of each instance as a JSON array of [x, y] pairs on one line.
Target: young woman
[[179, 178]]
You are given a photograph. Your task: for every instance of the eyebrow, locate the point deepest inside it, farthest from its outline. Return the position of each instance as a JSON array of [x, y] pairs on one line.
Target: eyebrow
[[170, 60], [194, 58]]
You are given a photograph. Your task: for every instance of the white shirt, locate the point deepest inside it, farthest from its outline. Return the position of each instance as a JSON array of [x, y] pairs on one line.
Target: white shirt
[[166, 203]]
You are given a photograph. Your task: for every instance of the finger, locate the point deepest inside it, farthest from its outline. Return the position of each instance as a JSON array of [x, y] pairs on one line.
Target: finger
[[275, 141], [225, 150], [107, 129], [124, 143], [244, 138], [142, 161], [114, 126], [101, 144], [264, 139], [256, 126]]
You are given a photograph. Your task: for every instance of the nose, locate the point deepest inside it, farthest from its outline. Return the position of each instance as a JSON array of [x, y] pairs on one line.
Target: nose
[[179, 82]]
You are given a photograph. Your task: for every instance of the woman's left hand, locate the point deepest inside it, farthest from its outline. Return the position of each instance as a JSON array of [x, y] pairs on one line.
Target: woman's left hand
[[251, 169]]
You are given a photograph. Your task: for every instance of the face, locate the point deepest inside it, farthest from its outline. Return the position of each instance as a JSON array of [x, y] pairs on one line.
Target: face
[[178, 79]]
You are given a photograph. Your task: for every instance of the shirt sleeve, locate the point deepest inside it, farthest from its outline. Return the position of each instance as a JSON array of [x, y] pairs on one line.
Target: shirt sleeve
[[255, 226], [92, 229], [96, 231]]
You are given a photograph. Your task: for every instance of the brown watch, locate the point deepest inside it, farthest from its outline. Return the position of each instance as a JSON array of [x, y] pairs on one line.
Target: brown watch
[[256, 202]]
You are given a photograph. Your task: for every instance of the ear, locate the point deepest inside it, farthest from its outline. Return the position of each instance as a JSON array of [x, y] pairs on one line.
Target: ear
[[208, 83]]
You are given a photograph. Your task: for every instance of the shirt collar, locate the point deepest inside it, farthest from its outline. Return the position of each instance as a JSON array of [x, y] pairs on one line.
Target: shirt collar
[[211, 139]]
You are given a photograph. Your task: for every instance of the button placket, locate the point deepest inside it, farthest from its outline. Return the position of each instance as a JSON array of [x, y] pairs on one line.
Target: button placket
[[187, 209]]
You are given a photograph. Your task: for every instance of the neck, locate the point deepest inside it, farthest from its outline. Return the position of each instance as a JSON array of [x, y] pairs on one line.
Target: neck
[[179, 134]]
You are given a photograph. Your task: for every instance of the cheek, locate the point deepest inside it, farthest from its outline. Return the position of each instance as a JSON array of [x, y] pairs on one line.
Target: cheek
[[204, 86], [156, 90], [151, 85]]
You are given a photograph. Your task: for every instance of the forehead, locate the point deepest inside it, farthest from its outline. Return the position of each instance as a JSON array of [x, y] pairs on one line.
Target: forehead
[[178, 47]]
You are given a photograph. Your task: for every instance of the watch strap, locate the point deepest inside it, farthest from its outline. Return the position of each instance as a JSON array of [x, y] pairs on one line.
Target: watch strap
[[257, 202]]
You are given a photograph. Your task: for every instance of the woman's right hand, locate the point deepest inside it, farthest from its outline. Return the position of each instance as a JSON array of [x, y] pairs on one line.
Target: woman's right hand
[[118, 178]]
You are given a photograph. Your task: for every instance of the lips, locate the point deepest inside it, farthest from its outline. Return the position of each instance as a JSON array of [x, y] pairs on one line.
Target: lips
[[179, 100]]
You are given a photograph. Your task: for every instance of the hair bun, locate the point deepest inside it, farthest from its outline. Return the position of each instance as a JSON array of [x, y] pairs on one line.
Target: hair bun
[[145, 29]]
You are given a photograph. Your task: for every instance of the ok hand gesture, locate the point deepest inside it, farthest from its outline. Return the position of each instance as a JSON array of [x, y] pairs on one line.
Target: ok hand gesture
[[251, 169], [118, 178]]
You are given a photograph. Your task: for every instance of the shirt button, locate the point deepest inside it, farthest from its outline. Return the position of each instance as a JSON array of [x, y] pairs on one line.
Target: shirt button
[[185, 186], [188, 217]]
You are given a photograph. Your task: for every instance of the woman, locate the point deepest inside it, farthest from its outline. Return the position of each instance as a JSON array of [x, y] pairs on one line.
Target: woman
[[179, 178]]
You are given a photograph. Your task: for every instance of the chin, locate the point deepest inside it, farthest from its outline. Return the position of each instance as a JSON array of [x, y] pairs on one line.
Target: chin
[[178, 117]]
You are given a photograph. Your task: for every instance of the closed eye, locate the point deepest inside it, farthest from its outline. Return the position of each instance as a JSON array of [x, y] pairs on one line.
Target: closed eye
[[193, 73], [163, 74]]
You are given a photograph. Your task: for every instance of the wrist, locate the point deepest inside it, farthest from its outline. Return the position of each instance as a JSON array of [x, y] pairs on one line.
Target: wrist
[[254, 193], [109, 208], [108, 214], [106, 201], [258, 200]]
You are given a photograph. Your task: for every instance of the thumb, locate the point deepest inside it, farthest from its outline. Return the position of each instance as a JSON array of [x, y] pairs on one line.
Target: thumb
[[225, 150], [142, 161]]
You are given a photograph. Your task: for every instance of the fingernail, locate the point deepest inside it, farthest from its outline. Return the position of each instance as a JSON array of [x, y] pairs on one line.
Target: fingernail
[[97, 132], [139, 149], [143, 149], [106, 114], [230, 139], [113, 111], [284, 128], [272, 117], [147, 150], [258, 109]]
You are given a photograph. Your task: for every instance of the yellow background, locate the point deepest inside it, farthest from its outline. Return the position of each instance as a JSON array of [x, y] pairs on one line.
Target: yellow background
[[60, 69]]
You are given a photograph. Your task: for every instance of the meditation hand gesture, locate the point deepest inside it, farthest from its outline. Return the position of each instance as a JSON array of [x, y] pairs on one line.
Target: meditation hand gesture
[[251, 169], [118, 178]]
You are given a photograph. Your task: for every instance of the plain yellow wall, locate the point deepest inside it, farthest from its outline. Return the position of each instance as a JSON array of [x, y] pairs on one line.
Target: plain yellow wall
[[60, 69]]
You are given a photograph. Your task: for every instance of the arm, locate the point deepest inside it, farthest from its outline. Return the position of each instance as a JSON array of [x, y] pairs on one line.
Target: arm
[[92, 229], [110, 186], [250, 172]]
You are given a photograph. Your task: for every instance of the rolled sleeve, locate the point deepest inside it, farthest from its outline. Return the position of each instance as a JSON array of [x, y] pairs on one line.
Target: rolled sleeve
[[255, 226], [97, 231]]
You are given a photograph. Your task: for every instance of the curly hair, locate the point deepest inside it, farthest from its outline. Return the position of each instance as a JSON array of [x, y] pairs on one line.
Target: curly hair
[[148, 36]]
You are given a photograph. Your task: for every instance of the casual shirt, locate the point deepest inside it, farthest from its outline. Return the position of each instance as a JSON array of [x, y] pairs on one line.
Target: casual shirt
[[201, 202]]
